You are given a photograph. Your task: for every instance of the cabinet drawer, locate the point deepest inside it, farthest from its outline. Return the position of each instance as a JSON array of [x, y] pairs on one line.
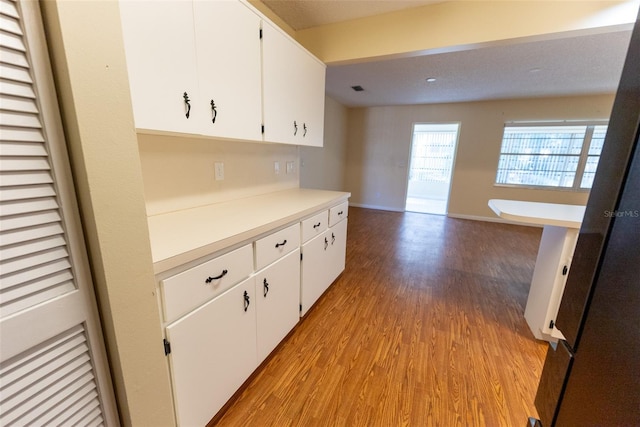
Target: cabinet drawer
[[189, 289], [338, 213], [280, 243], [314, 226]]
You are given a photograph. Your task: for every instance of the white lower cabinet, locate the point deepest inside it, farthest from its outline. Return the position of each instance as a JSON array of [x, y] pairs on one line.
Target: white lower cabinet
[[213, 351], [223, 318], [277, 299], [323, 259]]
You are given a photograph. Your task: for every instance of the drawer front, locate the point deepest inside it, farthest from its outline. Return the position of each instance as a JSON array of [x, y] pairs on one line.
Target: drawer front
[[276, 245], [187, 290], [314, 226], [338, 213]]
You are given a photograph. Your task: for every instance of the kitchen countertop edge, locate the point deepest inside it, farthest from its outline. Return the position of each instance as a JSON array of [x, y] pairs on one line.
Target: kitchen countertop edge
[[182, 237]]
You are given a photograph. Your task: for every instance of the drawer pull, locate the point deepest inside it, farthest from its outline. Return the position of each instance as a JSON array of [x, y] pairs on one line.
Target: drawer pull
[[295, 128], [333, 238], [317, 225], [304, 126], [340, 213], [326, 243], [211, 279], [214, 112], [265, 285], [187, 104], [246, 301], [281, 244]]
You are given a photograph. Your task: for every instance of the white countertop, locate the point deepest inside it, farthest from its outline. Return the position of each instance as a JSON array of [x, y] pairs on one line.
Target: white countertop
[[180, 237], [537, 213]]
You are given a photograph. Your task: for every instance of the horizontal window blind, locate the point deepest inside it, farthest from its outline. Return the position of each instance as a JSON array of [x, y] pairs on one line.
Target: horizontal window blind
[[563, 156]]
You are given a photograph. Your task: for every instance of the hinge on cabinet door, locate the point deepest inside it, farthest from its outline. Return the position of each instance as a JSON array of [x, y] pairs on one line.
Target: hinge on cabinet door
[[167, 347], [551, 324], [301, 308], [262, 127], [260, 33], [300, 256]]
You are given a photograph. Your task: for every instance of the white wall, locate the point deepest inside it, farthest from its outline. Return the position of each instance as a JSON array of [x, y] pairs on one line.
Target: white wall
[[379, 142]]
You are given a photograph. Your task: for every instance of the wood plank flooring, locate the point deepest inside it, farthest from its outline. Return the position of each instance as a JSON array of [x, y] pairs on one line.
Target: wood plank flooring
[[424, 328]]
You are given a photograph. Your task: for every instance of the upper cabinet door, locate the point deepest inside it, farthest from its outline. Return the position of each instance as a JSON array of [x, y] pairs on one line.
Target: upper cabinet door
[[161, 60], [228, 56], [293, 91]]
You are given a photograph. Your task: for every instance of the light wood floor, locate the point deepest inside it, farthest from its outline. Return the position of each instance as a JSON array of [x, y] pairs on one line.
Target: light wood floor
[[424, 328]]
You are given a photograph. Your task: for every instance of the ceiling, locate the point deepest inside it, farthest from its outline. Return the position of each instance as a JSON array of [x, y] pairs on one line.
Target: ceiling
[[579, 65]]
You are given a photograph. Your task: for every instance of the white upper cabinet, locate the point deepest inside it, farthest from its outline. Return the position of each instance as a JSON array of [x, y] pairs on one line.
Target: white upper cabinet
[[293, 91], [200, 68], [228, 56], [161, 60]]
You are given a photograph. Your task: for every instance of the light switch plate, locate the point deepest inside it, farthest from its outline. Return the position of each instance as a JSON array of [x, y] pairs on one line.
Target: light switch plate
[[219, 171], [290, 167], [276, 168]]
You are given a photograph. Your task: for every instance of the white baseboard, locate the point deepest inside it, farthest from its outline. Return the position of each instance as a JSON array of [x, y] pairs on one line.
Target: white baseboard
[[375, 207], [449, 215], [490, 219]]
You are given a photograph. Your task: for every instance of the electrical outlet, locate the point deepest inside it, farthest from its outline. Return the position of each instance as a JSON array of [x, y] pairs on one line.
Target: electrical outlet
[[290, 167], [276, 168], [219, 171]]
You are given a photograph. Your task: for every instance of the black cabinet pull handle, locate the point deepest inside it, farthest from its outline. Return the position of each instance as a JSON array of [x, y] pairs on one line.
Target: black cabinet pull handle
[[265, 285], [304, 127], [186, 102], [214, 112], [211, 279], [326, 243], [281, 244], [317, 225], [246, 301], [295, 128], [333, 238], [340, 213]]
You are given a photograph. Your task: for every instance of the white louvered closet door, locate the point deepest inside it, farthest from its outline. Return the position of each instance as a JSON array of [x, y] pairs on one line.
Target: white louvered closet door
[[53, 368]]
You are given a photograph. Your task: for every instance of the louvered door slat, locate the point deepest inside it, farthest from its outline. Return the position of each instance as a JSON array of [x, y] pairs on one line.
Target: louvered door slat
[[18, 236], [13, 57], [11, 88], [10, 72], [77, 408], [26, 192], [73, 375], [14, 178], [10, 24], [9, 8], [22, 149], [16, 119], [48, 381], [27, 262], [18, 134], [17, 104], [7, 253], [15, 222], [12, 373], [12, 41], [30, 280], [25, 206]]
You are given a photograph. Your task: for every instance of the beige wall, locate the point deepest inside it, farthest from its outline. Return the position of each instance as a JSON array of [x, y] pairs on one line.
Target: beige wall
[[379, 141], [178, 172], [324, 168], [456, 25], [91, 78]]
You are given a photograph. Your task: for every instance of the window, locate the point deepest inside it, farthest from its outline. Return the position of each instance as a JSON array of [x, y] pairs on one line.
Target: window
[[543, 155]]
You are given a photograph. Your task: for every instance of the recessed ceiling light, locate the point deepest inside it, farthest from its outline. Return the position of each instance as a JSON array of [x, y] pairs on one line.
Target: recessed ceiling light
[[357, 88], [431, 79], [534, 70]]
